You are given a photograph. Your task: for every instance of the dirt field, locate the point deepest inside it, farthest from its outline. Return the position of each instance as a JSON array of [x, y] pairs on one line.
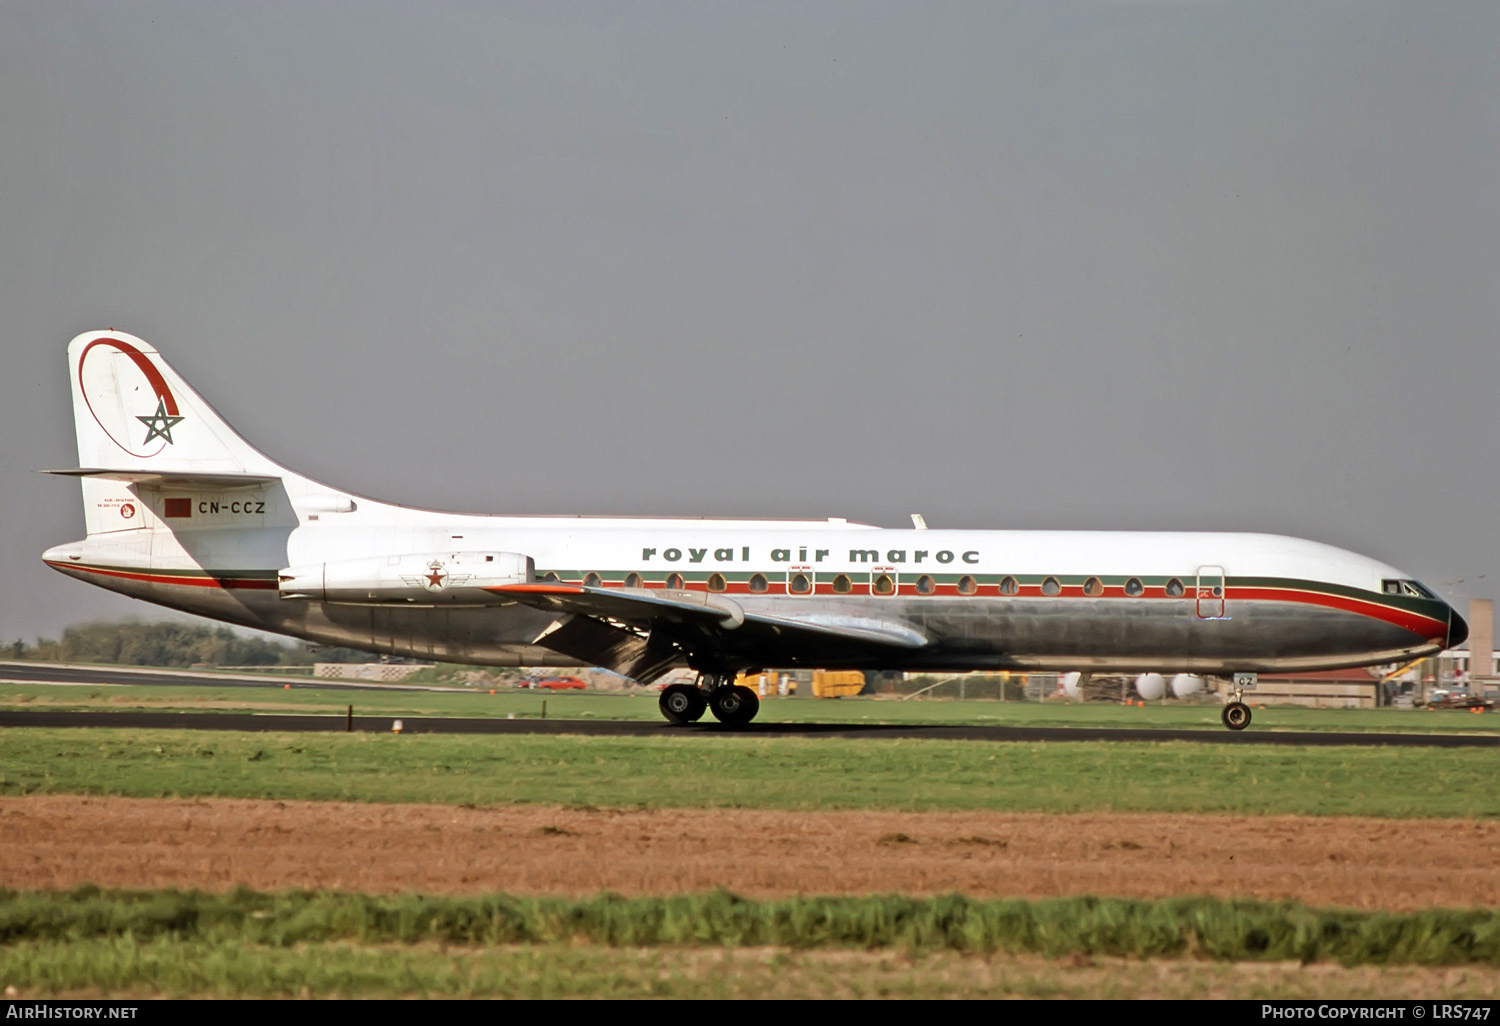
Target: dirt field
[[55, 842]]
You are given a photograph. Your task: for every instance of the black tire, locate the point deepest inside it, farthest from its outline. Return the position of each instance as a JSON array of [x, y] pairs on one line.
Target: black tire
[[734, 706], [682, 703], [749, 703], [1236, 716]]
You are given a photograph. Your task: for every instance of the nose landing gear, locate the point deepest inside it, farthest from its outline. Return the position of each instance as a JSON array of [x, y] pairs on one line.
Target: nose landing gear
[[1236, 714]]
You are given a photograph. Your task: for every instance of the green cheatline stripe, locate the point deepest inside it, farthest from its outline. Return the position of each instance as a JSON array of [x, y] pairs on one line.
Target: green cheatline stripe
[[1410, 603], [1202, 927]]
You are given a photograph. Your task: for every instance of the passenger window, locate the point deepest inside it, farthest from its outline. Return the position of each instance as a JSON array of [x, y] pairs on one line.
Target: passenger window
[[758, 583], [883, 584], [674, 581], [1009, 587], [1093, 587], [1051, 587], [842, 585], [967, 586], [925, 585], [1134, 588], [632, 580], [716, 582], [799, 584], [1174, 588]]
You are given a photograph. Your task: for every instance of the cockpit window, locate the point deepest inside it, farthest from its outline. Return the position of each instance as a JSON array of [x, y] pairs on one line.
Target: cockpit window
[[1414, 589]]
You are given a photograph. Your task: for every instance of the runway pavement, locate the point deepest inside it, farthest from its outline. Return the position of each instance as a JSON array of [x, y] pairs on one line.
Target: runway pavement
[[57, 674], [63, 673], [637, 728]]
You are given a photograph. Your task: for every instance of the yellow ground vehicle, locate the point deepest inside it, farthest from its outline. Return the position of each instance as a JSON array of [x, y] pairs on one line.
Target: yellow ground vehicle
[[769, 683], [824, 683], [837, 683]]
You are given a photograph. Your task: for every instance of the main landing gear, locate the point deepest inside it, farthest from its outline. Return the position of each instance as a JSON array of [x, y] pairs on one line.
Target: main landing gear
[[1236, 714], [733, 705]]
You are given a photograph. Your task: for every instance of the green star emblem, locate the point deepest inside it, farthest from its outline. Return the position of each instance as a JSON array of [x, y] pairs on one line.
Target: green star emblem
[[159, 425]]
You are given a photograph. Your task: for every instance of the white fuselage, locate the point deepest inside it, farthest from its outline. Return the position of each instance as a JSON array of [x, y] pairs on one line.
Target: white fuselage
[[181, 511]]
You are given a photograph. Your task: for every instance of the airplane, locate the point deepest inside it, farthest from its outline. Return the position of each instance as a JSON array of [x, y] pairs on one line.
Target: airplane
[[181, 511]]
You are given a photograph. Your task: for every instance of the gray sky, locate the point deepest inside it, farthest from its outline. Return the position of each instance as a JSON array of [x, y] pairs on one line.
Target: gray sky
[[1073, 265]]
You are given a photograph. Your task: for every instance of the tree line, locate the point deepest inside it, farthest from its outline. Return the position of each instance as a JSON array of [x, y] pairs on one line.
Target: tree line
[[133, 643]]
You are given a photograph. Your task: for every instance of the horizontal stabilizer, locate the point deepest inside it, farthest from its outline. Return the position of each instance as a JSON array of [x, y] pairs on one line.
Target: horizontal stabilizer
[[168, 478]]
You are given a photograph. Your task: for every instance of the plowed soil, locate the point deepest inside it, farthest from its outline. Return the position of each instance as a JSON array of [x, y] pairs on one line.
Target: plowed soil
[[57, 842]]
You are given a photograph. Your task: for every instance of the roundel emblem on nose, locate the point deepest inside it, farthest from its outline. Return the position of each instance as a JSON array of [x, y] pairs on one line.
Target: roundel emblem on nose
[[128, 396]]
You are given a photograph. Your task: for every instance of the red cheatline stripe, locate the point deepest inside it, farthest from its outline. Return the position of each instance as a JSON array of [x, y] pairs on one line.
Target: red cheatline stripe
[[540, 589], [1417, 623], [253, 583]]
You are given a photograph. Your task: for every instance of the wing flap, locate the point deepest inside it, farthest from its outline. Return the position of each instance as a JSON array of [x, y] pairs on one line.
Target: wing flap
[[718, 621], [630, 605], [891, 633]]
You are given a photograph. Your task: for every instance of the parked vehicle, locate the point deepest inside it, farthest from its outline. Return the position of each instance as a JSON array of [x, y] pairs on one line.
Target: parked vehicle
[[554, 683], [1458, 699]]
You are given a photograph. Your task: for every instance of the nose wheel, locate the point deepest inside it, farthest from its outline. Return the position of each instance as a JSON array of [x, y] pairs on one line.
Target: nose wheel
[[1236, 714]]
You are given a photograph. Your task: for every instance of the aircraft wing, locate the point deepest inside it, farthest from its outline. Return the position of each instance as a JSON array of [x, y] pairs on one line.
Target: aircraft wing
[[715, 625]]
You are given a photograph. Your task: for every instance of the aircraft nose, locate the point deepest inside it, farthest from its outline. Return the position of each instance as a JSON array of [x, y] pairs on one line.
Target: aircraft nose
[[1458, 629]]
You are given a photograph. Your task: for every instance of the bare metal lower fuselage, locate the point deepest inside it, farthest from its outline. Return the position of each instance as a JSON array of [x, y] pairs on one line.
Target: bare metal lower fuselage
[[968, 633]]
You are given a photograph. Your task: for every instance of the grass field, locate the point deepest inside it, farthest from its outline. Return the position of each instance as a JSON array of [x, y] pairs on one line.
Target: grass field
[[746, 772], [304, 697], [124, 968], [717, 945], [91, 944]]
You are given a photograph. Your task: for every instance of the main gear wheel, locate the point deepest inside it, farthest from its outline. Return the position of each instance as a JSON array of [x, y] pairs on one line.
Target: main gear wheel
[[682, 703]]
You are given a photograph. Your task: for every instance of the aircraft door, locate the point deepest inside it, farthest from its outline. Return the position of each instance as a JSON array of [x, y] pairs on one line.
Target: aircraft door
[[1210, 593]]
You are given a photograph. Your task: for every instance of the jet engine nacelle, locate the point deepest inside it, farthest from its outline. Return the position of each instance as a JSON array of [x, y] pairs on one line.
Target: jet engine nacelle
[[420, 579]]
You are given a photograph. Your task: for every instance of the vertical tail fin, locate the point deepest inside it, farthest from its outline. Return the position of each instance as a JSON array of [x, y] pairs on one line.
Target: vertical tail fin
[[133, 412], [143, 432]]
